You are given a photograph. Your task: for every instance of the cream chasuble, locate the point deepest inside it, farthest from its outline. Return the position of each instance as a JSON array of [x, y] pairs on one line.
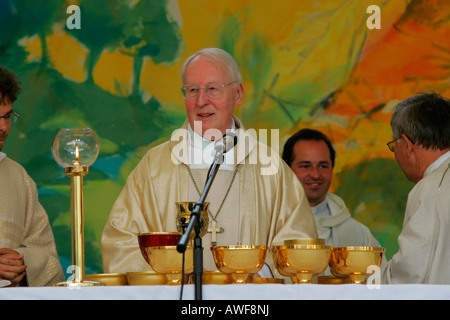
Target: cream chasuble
[[266, 204], [424, 255], [228, 217], [24, 225]]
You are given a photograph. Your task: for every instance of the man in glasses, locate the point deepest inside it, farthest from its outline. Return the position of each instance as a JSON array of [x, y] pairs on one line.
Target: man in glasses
[[27, 247], [421, 145], [247, 205]]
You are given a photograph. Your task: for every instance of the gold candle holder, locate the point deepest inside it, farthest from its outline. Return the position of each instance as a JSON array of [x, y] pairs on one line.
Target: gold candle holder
[[75, 150]]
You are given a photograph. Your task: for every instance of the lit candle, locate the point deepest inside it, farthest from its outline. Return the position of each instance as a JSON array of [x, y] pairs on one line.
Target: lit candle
[[76, 162]]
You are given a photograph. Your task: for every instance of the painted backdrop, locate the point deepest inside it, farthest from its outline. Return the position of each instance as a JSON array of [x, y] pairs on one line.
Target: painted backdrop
[[305, 64]]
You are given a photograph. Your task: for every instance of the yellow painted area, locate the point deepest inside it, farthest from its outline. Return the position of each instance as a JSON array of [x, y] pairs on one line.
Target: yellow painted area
[[33, 47], [114, 72], [67, 55], [163, 81]]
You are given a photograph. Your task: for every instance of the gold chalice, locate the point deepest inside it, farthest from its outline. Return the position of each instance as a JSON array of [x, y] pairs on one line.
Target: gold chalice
[[157, 239], [184, 210], [352, 262], [301, 261], [168, 260], [240, 261]]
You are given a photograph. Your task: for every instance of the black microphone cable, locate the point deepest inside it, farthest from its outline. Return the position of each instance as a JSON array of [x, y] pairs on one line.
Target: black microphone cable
[[183, 226], [182, 276]]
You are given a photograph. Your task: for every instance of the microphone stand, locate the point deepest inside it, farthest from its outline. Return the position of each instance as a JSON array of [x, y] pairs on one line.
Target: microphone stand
[[196, 224]]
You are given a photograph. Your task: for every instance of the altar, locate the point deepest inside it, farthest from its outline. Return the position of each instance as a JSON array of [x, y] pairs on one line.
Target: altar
[[233, 292]]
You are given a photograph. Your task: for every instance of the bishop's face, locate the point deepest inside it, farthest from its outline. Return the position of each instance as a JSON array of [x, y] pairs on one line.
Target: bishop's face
[[207, 112]]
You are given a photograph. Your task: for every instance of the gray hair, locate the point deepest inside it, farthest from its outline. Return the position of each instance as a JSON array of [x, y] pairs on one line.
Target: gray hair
[[425, 119], [221, 58]]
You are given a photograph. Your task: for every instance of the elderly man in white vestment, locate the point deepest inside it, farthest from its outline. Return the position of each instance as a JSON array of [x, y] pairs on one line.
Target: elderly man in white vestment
[[421, 132], [255, 198], [27, 248]]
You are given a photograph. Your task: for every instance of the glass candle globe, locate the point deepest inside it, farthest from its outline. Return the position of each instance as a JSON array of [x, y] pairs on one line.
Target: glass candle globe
[[75, 147]]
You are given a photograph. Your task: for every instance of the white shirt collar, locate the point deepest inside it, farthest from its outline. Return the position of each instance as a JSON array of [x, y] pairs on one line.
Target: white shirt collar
[[437, 163], [2, 156], [321, 210], [202, 152]]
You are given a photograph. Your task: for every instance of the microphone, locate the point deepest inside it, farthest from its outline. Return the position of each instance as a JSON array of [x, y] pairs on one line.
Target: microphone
[[222, 146], [226, 143]]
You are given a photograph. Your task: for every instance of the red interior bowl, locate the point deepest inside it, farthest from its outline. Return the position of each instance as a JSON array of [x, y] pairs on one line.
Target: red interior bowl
[[157, 239]]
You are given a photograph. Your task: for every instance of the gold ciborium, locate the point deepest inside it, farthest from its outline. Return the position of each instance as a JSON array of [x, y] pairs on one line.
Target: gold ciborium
[[301, 261], [240, 261], [184, 210], [167, 260], [352, 262]]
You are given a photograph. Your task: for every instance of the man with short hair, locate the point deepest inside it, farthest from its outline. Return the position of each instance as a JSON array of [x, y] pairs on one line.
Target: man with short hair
[[27, 248], [311, 156], [253, 201], [421, 145]]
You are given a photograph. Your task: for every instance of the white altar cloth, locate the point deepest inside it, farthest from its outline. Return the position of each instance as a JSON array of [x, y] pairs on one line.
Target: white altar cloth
[[233, 292]]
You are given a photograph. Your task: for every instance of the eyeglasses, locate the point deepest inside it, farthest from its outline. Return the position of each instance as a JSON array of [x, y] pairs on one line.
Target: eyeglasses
[[11, 117], [390, 144], [212, 90]]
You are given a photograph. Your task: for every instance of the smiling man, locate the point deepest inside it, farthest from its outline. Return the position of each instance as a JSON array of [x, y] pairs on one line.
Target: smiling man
[[204, 80], [27, 248], [245, 206], [311, 156]]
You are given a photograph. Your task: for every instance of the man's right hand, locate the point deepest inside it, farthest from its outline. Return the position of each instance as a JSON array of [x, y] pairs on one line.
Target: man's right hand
[[12, 266]]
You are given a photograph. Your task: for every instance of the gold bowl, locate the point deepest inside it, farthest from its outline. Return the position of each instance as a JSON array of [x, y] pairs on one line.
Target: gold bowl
[[352, 262], [240, 261], [305, 241], [146, 278], [157, 239], [168, 260], [108, 279], [301, 261]]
